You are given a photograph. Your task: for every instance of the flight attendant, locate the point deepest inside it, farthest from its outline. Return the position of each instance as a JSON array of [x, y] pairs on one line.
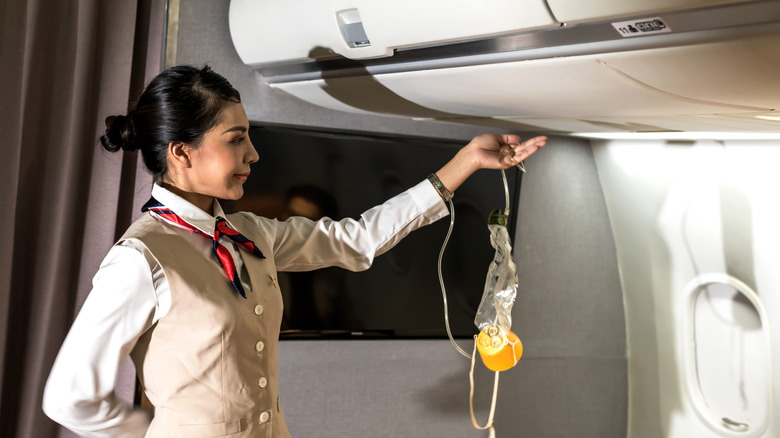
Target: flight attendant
[[191, 294]]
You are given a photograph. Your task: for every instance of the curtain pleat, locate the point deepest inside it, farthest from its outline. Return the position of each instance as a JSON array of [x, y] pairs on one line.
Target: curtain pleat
[[66, 65]]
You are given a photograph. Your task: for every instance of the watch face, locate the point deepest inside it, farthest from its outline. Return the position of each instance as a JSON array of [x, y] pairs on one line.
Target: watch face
[[445, 194]]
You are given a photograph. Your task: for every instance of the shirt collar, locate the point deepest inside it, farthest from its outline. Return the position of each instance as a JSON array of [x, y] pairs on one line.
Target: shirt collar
[[187, 211]]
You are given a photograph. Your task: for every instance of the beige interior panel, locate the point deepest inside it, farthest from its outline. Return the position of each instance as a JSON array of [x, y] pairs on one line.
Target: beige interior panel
[[739, 72], [565, 87], [314, 92]]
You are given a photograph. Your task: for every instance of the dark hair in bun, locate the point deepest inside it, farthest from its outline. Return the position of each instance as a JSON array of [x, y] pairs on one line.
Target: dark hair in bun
[[119, 134], [180, 104]]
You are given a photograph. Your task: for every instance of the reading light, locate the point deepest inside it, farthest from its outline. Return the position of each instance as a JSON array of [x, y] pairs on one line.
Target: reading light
[[774, 118], [680, 135]]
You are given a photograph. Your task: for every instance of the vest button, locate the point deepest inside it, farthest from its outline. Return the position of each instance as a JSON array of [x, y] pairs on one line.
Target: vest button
[[264, 417], [259, 346], [262, 382], [259, 309]]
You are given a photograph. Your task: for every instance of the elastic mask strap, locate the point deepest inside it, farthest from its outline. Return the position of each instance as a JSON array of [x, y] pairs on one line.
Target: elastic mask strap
[[489, 424]]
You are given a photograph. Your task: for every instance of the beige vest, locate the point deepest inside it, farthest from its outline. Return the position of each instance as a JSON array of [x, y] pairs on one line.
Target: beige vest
[[209, 366]]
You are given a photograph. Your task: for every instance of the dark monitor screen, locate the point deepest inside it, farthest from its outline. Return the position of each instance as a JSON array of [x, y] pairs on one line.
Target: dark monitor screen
[[345, 174]]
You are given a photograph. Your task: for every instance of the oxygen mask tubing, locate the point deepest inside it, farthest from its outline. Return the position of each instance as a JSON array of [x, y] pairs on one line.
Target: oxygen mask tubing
[[499, 348]]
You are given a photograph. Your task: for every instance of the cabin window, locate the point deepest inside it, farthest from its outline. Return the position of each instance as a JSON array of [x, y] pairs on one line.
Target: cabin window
[[732, 373]]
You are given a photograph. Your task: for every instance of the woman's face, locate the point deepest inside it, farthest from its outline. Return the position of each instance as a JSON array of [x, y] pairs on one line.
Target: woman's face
[[220, 165]]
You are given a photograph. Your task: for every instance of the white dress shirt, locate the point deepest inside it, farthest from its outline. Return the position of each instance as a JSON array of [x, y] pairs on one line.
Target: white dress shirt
[[130, 294]]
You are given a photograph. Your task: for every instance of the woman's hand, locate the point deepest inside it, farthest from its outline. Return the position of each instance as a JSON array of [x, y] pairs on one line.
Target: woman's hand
[[487, 151]]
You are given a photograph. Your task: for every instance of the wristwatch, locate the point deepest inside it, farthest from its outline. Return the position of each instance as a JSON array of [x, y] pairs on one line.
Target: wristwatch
[[445, 194]]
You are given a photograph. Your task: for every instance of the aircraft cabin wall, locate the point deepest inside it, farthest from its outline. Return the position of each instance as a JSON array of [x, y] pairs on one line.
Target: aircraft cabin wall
[[695, 225]]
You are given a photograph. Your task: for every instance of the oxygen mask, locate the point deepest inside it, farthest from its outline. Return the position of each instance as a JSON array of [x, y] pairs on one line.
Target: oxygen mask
[[499, 348]]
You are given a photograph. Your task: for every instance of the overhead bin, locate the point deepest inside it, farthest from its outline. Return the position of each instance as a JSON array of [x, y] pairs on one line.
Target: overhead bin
[[712, 69], [705, 85], [269, 32], [695, 79]]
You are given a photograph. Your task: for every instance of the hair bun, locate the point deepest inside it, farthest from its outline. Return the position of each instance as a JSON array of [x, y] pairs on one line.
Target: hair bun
[[119, 134]]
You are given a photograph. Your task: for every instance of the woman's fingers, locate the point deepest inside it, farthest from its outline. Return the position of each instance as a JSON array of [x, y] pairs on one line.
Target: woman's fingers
[[519, 151]]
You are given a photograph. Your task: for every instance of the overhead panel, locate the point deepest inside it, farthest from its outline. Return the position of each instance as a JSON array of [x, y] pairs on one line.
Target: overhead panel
[[696, 64], [586, 86], [702, 85], [742, 72], [275, 32], [653, 82]]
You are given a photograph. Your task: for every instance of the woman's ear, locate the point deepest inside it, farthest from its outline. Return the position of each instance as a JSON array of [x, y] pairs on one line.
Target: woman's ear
[[179, 154]]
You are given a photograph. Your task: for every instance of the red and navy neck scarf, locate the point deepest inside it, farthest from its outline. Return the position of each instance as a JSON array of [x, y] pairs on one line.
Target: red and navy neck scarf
[[221, 228]]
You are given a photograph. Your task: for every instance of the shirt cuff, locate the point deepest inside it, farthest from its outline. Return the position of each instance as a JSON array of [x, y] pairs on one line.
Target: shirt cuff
[[429, 201]]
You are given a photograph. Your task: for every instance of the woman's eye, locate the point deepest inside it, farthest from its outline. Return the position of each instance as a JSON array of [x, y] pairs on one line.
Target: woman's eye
[[238, 140]]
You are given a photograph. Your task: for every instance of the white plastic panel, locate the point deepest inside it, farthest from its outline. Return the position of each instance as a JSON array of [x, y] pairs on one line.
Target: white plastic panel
[[314, 92], [536, 89], [282, 31], [625, 91], [677, 211], [742, 71], [547, 88], [572, 11], [716, 78]]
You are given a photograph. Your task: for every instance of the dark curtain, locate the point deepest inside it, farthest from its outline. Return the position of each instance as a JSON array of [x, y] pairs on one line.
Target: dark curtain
[[65, 65]]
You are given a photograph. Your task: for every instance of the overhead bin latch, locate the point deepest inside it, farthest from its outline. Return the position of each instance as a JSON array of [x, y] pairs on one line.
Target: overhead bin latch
[[352, 30]]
